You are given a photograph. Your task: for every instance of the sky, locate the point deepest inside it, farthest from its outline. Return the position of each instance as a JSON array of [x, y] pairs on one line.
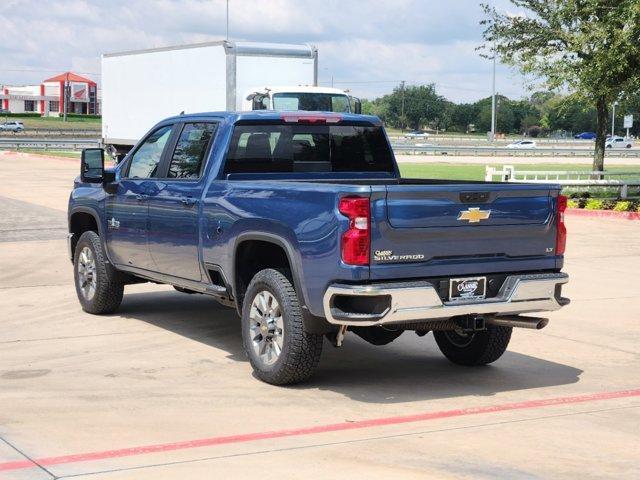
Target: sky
[[367, 46]]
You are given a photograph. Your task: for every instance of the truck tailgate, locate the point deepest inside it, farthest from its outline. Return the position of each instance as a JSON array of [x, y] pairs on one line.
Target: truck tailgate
[[417, 207], [423, 230]]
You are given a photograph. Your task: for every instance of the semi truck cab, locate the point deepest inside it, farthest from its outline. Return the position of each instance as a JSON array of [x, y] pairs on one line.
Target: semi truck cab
[[308, 98]]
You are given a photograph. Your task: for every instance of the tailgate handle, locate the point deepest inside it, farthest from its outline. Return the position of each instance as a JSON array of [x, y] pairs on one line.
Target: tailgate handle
[[474, 197]]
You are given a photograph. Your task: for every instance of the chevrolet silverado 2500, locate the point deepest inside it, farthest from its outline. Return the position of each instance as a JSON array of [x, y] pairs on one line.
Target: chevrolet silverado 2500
[[302, 223]]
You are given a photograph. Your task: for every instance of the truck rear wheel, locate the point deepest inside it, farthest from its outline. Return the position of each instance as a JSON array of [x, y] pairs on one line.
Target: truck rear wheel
[[97, 284], [474, 348], [281, 352]]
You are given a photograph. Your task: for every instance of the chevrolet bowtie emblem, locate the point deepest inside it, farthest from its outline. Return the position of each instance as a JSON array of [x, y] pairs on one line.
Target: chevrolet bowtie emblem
[[474, 215]]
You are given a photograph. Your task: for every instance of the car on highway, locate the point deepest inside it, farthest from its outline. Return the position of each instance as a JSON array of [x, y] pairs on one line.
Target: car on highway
[[522, 144], [302, 222], [618, 142], [416, 134], [585, 136], [15, 127]]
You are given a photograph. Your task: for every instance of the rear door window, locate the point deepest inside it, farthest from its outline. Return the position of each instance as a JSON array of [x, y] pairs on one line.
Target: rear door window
[[191, 148]]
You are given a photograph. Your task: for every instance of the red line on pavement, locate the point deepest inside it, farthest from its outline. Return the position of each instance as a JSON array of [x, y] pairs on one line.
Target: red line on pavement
[[296, 432]]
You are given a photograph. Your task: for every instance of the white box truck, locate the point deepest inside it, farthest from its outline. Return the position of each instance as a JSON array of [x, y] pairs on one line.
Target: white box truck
[[139, 88]]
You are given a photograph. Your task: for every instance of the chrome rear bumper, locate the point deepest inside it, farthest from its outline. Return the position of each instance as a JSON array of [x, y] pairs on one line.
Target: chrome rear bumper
[[415, 301]]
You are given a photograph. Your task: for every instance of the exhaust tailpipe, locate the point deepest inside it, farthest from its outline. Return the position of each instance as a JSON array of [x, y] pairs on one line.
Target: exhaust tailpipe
[[517, 321]]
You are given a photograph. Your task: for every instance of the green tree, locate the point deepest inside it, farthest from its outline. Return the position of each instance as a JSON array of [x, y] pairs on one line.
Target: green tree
[[421, 106], [525, 115], [367, 106], [589, 46], [505, 120], [462, 116], [571, 113]]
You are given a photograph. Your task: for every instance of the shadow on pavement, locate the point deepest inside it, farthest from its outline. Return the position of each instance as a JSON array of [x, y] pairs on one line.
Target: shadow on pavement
[[409, 369]]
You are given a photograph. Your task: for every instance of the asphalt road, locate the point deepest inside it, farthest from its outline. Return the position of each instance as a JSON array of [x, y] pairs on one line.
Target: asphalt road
[[163, 390]]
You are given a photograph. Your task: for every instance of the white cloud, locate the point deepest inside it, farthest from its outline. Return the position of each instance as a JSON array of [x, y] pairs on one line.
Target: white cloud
[[372, 42]]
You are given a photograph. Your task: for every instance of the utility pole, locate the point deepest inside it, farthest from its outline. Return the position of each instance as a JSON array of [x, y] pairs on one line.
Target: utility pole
[[493, 98], [613, 119], [227, 20], [402, 108]]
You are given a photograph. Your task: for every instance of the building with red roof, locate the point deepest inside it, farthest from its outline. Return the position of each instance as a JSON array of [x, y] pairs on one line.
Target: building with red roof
[[80, 94]]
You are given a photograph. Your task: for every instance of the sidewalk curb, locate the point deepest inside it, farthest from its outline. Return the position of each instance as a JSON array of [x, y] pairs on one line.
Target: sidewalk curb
[[580, 212]]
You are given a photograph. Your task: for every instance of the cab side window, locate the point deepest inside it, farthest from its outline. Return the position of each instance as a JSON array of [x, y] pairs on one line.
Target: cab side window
[[146, 159], [191, 148]]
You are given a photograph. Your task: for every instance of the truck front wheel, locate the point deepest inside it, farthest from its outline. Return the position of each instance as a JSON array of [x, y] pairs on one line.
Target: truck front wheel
[[474, 348], [97, 284], [281, 352]]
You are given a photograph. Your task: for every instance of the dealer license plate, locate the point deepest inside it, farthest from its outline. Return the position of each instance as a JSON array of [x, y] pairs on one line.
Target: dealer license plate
[[467, 288]]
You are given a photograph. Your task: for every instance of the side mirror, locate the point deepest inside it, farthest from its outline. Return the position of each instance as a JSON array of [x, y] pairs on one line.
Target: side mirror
[[109, 182], [258, 102], [92, 165], [356, 105]]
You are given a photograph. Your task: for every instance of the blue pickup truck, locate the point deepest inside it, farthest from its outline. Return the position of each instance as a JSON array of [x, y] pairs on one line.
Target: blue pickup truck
[[302, 223]]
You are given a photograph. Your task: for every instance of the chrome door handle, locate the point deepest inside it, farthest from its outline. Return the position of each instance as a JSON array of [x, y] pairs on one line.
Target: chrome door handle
[[140, 197], [188, 201]]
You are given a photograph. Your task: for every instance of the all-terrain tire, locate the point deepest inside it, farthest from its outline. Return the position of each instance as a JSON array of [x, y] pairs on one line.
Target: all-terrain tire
[[479, 348], [301, 350], [109, 287]]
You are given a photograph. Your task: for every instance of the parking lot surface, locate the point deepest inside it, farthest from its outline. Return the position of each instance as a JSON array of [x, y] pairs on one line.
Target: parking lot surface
[[162, 389]]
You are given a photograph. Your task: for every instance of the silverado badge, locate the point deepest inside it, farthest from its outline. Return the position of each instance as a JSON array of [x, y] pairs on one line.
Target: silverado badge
[[474, 215]]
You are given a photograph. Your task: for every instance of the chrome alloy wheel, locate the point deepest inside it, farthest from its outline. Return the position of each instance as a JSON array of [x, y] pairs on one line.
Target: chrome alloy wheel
[[87, 277], [266, 327]]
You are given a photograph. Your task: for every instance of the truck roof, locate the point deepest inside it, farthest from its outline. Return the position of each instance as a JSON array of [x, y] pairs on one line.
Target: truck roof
[[271, 115], [302, 50], [303, 89]]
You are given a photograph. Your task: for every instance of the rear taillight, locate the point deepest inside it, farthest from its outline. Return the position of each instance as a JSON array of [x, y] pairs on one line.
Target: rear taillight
[[561, 229], [357, 239]]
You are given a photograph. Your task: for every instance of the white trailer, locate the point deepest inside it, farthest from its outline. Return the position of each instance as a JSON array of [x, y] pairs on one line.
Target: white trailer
[[139, 88]]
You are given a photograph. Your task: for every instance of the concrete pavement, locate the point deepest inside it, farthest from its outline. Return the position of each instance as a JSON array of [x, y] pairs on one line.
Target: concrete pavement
[[163, 390]]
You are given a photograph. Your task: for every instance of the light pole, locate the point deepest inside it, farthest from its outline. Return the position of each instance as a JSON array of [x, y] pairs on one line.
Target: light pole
[[227, 20], [402, 108], [493, 97], [331, 74], [613, 119]]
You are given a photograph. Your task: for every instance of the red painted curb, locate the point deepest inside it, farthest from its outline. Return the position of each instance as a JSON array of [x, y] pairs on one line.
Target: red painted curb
[[39, 156], [580, 212], [296, 432]]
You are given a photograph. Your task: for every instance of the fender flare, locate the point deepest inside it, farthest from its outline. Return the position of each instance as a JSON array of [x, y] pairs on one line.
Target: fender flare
[[96, 216], [292, 257]]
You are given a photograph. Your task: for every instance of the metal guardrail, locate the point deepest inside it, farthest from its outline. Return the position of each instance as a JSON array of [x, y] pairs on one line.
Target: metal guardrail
[[503, 151], [443, 138], [47, 144], [62, 132], [21, 142], [587, 179]]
